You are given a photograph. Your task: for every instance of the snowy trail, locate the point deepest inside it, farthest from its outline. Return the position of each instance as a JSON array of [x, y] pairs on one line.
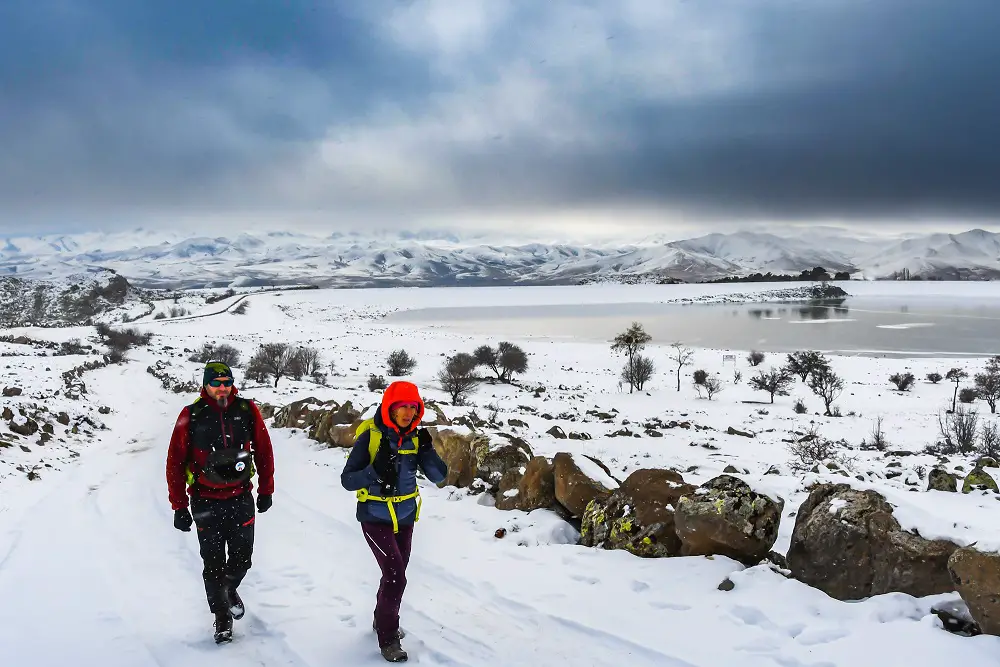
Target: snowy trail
[[123, 587]]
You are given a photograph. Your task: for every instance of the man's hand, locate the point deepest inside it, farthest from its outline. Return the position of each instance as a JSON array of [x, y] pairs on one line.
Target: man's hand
[[183, 520], [264, 503]]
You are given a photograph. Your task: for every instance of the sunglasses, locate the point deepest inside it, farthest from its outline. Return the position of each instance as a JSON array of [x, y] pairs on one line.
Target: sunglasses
[[221, 383]]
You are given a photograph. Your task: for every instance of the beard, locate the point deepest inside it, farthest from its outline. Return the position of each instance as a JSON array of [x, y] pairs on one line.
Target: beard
[[223, 401]]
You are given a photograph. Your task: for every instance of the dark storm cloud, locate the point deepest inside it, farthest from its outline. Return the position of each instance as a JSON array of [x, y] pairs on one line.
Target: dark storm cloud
[[112, 110]]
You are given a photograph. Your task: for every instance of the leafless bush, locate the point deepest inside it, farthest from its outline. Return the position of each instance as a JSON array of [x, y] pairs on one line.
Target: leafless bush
[[989, 441], [828, 386], [116, 356], [224, 352], [177, 311], [878, 440], [122, 339], [812, 449], [458, 377], [304, 361], [902, 381], [270, 360], [637, 371], [958, 431], [241, 308], [711, 385]]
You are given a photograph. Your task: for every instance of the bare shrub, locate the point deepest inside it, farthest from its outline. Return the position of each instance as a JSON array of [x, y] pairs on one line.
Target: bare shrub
[[988, 384], [270, 360], [224, 352], [902, 381], [958, 431], [775, 382], [241, 308], [637, 371], [122, 339], [304, 361], [828, 386], [711, 385], [376, 383], [160, 316], [458, 377], [400, 363], [177, 311], [878, 440], [812, 449], [755, 358], [989, 441]]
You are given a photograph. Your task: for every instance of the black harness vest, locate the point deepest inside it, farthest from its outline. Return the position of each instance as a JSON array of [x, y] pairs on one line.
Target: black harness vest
[[222, 436]]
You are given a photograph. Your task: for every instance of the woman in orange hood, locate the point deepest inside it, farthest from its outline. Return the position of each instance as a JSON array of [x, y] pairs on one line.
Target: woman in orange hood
[[382, 469]]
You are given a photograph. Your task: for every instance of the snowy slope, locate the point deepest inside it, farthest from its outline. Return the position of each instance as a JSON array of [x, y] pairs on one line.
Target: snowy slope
[[423, 258], [101, 578]]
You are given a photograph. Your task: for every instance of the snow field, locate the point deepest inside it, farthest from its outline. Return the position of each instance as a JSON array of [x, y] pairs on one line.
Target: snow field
[[96, 536]]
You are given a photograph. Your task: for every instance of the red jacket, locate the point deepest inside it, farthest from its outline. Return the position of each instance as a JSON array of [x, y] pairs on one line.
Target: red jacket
[[180, 454]]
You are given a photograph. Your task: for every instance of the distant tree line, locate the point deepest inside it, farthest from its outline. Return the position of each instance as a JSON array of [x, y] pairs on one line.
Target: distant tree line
[[815, 274]]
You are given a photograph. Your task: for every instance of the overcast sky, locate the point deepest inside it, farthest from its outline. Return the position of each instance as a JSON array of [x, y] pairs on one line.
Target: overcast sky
[[568, 116]]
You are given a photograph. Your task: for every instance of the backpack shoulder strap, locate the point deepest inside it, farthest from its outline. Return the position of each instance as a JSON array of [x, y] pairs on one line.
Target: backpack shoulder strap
[[374, 437]]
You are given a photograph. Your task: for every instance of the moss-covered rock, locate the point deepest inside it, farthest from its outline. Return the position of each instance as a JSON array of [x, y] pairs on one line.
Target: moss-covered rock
[[726, 517], [941, 480], [979, 480]]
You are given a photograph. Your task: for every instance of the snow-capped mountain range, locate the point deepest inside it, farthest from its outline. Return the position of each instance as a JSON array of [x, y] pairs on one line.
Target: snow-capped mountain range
[[158, 259]]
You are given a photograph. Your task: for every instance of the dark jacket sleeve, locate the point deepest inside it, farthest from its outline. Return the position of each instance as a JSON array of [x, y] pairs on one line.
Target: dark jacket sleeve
[[433, 465], [177, 455], [263, 454], [358, 472]]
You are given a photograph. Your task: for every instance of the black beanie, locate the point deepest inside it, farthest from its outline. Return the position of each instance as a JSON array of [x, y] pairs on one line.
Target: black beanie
[[216, 369]]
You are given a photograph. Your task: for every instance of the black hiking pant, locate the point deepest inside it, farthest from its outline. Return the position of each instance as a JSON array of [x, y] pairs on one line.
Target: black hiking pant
[[224, 525]]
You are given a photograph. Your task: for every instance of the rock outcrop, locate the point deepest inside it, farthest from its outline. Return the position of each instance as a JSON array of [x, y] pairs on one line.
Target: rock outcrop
[[976, 575]]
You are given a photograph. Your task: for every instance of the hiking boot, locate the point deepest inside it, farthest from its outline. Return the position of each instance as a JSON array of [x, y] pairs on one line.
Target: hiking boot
[[400, 633], [236, 607], [393, 652], [223, 627]]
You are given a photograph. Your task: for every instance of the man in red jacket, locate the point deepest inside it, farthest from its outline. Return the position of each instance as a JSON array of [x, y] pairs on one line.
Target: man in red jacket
[[216, 444]]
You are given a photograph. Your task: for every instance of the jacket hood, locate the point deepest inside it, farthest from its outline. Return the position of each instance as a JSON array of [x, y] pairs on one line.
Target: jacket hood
[[401, 391]]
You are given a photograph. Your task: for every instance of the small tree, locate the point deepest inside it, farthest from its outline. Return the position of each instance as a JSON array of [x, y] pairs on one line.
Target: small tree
[[304, 361], [681, 356], [505, 360], [955, 375], [902, 381], [958, 431], [400, 363], [989, 441], [775, 382], [712, 386], [988, 384], [637, 371], [700, 376], [806, 363], [827, 385], [934, 378], [271, 360], [631, 342], [755, 358], [458, 377], [224, 352]]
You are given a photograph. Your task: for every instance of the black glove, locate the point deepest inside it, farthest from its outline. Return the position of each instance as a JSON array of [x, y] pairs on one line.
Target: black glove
[[385, 467], [425, 442], [263, 503], [183, 520]]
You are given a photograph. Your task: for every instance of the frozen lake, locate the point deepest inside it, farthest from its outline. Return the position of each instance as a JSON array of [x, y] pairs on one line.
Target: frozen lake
[[868, 325]]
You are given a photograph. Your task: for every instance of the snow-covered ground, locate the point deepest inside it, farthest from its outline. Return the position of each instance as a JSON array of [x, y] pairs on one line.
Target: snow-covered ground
[[93, 573]]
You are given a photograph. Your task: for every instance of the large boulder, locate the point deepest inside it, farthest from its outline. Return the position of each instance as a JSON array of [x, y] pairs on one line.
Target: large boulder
[[302, 413], [500, 456], [639, 516], [508, 490], [847, 543], [537, 486], [726, 517], [322, 424], [941, 480], [579, 479], [976, 575], [979, 480], [460, 451]]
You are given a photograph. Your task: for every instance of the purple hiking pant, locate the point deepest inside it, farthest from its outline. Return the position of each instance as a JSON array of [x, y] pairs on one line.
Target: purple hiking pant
[[392, 551]]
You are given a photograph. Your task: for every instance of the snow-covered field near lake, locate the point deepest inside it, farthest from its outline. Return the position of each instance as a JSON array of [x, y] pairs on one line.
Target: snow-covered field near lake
[[92, 572]]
